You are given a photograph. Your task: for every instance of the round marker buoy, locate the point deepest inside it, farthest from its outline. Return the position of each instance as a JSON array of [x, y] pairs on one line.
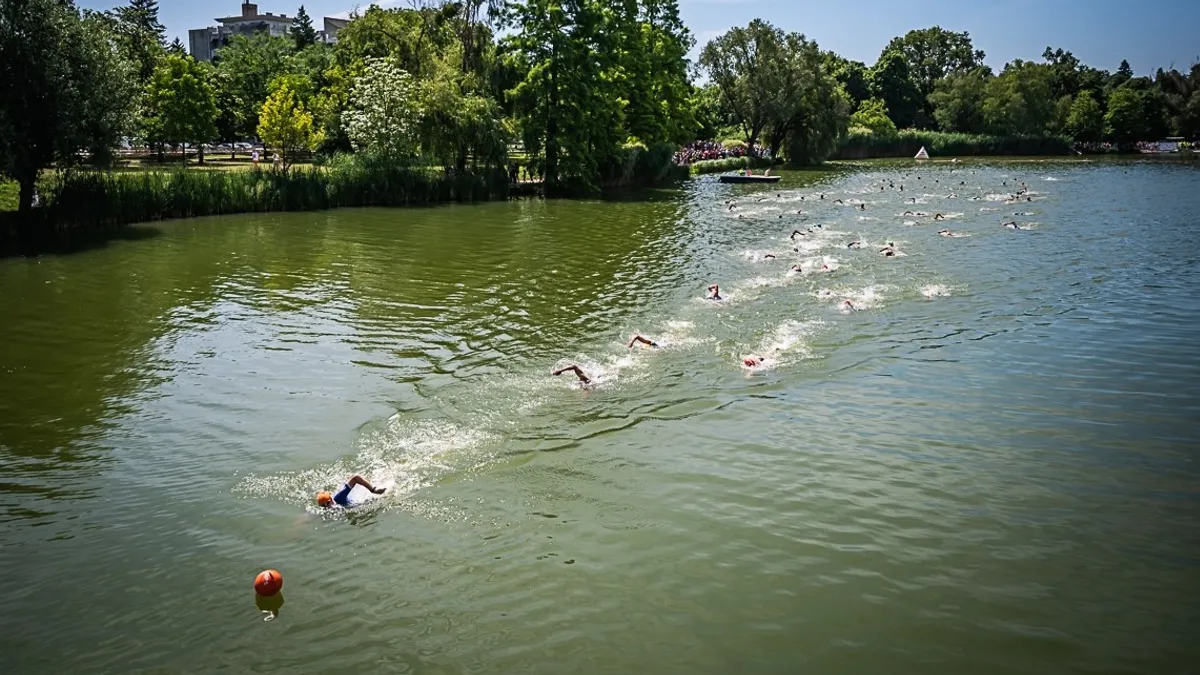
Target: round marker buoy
[[268, 582]]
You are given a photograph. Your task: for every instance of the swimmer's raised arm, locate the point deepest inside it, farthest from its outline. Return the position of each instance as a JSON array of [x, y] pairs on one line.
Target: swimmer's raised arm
[[575, 369], [359, 480], [638, 338]]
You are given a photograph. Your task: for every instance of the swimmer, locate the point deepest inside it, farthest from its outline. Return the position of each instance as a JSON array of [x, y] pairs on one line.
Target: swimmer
[[797, 232], [714, 292], [862, 207], [731, 205], [768, 256], [938, 216], [888, 251], [638, 338], [838, 201], [849, 305], [913, 200], [342, 496], [822, 196], [583, 379], [854, 245], [753, 361], [948, 233], [908, 213], [796, 268]]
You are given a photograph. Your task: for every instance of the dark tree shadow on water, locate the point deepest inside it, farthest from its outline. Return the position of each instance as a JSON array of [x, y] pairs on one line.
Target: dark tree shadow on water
[[32, 242]]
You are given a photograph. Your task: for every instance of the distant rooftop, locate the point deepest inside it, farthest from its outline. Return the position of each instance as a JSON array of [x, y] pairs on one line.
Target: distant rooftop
[[250, 13]]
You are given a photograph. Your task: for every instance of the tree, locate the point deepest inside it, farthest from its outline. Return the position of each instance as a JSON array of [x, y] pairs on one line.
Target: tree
[[248, 65], [873, 115], [283, 123], [1124, 74], [958, 100], [303, 32], [182, 104], [891, 82], [144, 14], [64, 88], [176, 48], [1085, 122], [852, 75], [750, 68], [1018, 100], [383, 113], [931, 54], [1123, 122]]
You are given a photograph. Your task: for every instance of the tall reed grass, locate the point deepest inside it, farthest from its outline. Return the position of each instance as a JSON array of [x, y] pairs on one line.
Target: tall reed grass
[[863, 144], [729, 164], [84, 199]]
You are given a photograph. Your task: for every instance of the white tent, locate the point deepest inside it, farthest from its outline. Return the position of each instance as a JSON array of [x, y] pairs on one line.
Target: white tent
[[921, 154]]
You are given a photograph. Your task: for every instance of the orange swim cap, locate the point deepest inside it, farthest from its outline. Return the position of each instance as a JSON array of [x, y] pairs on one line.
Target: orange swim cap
[[324, 499]]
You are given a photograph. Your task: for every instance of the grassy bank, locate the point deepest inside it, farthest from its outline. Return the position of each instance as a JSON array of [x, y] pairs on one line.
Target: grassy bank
[[85, 199], [865, 145], [729, 164]]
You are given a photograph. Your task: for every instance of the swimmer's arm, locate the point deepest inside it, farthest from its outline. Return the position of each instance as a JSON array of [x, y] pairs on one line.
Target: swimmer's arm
[[359, 480], [638, 338], [575, 369]]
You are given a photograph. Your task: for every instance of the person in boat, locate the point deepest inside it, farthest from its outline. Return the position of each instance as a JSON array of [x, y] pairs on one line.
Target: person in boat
[[342, 496], [583, 378], [638, 338], [714, 292], [767, 172]]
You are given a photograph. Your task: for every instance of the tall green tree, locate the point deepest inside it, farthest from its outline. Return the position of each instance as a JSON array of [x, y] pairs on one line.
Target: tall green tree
[[751, 69], [182, 104], [303, 32], [1085, 122], [958, 101], [248, 65], [64, 88], [852, 75], [892, 83], [873, 115], [931, 54], [1018, 100], [1124, 74]]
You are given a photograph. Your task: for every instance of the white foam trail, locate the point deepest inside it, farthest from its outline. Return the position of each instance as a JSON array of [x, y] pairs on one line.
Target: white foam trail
[[787, 343], [400, 455], [935, 291]]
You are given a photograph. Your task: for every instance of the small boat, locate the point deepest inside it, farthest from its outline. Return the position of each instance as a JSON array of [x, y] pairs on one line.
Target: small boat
[[735, 178]]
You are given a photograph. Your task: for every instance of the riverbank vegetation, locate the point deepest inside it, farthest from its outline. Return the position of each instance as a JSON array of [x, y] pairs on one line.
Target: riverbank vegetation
[[437, 100]]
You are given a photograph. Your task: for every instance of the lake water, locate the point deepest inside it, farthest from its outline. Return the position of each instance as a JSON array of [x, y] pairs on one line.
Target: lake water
[[988, 466]]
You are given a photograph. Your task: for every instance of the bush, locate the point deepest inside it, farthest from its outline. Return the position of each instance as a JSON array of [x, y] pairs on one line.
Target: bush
[[862, 144], [91, 199], [730, 164]]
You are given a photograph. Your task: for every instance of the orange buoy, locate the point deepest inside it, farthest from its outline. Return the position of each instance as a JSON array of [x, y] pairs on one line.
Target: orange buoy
[[268, 582]]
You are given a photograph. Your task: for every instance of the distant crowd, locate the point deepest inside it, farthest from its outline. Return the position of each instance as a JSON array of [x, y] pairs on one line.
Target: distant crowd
[[706, 150]]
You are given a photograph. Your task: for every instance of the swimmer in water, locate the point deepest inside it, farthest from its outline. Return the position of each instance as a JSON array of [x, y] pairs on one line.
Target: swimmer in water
[[342, 496], [797, 232], [888, 251], [753, 361], [822, 196], [638, 338], [838, 201], [583, 379], [854, 245], [862, 207], [768, 256], [849, 305], [796, 268], [714, 292], [938, 216], [1012, 225], [908, 213]]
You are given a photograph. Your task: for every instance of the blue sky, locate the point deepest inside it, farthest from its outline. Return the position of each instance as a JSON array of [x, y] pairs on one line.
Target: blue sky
[[1149, 33]]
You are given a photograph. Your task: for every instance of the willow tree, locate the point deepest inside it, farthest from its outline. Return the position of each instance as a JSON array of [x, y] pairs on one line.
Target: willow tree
[[777, 84]]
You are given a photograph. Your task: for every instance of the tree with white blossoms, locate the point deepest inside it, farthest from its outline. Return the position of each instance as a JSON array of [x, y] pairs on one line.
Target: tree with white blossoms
[[384, 111]]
